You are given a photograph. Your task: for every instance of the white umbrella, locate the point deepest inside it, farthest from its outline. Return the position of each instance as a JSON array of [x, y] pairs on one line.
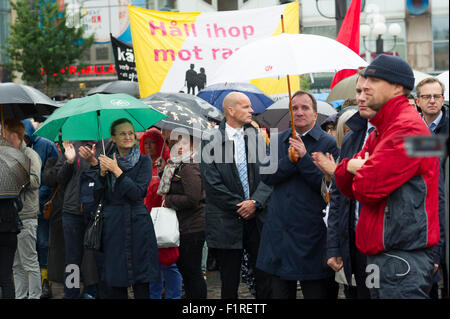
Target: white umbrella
[[346, 88], [419, 76], [443, 77], [286, 54]]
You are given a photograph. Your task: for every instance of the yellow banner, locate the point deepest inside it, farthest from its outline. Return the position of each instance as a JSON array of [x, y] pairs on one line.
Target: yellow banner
[[176, 51]]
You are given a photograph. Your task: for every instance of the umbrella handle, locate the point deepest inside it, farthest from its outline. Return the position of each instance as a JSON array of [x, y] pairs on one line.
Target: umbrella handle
[[294, 133], [101, 133]]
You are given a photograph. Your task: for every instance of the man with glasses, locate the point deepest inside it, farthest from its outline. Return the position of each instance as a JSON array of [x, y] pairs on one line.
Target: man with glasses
[[430, 99]]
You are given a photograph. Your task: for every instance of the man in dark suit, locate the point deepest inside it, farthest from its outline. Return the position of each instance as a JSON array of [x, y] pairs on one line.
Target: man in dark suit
[[293, 239], [430, 99], [235, 196]]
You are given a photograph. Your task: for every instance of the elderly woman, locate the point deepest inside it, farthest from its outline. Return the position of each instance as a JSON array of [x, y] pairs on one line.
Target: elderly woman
[[128, 239], [181, 187]]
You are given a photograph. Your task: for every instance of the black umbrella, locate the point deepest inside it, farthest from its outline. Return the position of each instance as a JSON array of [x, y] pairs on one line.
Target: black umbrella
[[277, 115], [178, 116], [14, 170], [119, 86], [22, 101], [195, 103], [59, 96]]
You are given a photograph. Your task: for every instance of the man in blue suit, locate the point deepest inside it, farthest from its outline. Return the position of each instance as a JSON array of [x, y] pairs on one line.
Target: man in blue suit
[[293, 240]]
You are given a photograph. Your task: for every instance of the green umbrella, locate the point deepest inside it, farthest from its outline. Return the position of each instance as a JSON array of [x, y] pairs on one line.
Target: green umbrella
[[89, 118]]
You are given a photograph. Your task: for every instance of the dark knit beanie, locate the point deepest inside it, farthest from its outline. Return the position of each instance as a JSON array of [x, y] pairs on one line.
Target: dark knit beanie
[[392, 69]]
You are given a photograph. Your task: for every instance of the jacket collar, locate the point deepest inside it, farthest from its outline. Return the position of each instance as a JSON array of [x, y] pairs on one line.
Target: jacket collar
[[357, 122], [388, 113], [315, 133], [444, 119], [223, 133]]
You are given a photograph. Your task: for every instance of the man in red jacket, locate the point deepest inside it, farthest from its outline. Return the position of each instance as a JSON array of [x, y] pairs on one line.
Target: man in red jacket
[[398, 222]]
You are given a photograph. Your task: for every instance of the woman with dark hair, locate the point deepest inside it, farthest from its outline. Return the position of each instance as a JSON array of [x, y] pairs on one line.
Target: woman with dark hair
[[128, 238]]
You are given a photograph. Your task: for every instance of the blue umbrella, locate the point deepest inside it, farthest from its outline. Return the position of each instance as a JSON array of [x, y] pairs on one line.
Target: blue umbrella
[[214, 94]]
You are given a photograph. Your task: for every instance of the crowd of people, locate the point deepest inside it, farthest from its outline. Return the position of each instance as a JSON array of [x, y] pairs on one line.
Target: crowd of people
[[346, 204]]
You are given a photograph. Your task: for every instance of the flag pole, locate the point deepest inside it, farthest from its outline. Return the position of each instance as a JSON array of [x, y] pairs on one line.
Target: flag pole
[[294, 133]]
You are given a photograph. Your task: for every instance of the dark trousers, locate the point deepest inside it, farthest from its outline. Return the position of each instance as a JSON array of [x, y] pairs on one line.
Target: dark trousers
[[8, 247], [312, 289], [359, 264], [230, 260], [42, 240], [190, 265], [74, 227], [191, 87], [140, 291], [402, 274]]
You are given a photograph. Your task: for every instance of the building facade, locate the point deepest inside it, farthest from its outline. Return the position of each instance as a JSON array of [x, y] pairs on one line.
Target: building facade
[[423, 39]]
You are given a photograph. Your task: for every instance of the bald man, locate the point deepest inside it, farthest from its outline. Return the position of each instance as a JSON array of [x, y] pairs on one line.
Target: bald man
[[235, 196]]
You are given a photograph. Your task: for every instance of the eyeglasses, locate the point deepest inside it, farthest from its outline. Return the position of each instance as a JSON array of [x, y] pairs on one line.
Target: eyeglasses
[[427, 97]]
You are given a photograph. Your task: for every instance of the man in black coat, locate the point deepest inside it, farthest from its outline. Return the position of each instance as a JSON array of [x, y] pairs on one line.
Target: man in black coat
[[235, 196], [343, 214], [430, 99]]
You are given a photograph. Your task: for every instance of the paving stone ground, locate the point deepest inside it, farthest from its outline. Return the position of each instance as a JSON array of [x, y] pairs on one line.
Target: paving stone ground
[[213, 285]]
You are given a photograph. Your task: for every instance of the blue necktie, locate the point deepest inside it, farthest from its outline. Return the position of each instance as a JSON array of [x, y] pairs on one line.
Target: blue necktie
[[241, 162], [432, 126]]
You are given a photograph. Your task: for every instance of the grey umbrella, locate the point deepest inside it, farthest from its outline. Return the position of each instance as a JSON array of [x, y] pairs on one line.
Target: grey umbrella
[[119, 86], [277, 115], [178, 117], [22, 101], [195, 103], [14, 170]]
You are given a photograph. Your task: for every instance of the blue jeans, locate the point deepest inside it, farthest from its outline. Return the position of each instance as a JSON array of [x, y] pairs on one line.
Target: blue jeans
[[42, 240], [74, 227], [173, 279]]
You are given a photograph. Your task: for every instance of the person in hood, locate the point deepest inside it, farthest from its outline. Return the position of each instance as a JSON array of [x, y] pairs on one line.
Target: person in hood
[[45, 149], [152, 144]]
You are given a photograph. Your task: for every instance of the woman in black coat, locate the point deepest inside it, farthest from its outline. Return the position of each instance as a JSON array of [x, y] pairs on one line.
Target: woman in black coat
[[128, 238], [56, 249], [9, 228]]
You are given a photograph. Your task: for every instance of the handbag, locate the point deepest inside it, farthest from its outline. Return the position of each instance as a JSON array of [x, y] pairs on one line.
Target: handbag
[[93, 233], [165, 222], [48, 207]]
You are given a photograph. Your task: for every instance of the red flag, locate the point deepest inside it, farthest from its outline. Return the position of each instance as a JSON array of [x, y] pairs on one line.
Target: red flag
[[349, 36]]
